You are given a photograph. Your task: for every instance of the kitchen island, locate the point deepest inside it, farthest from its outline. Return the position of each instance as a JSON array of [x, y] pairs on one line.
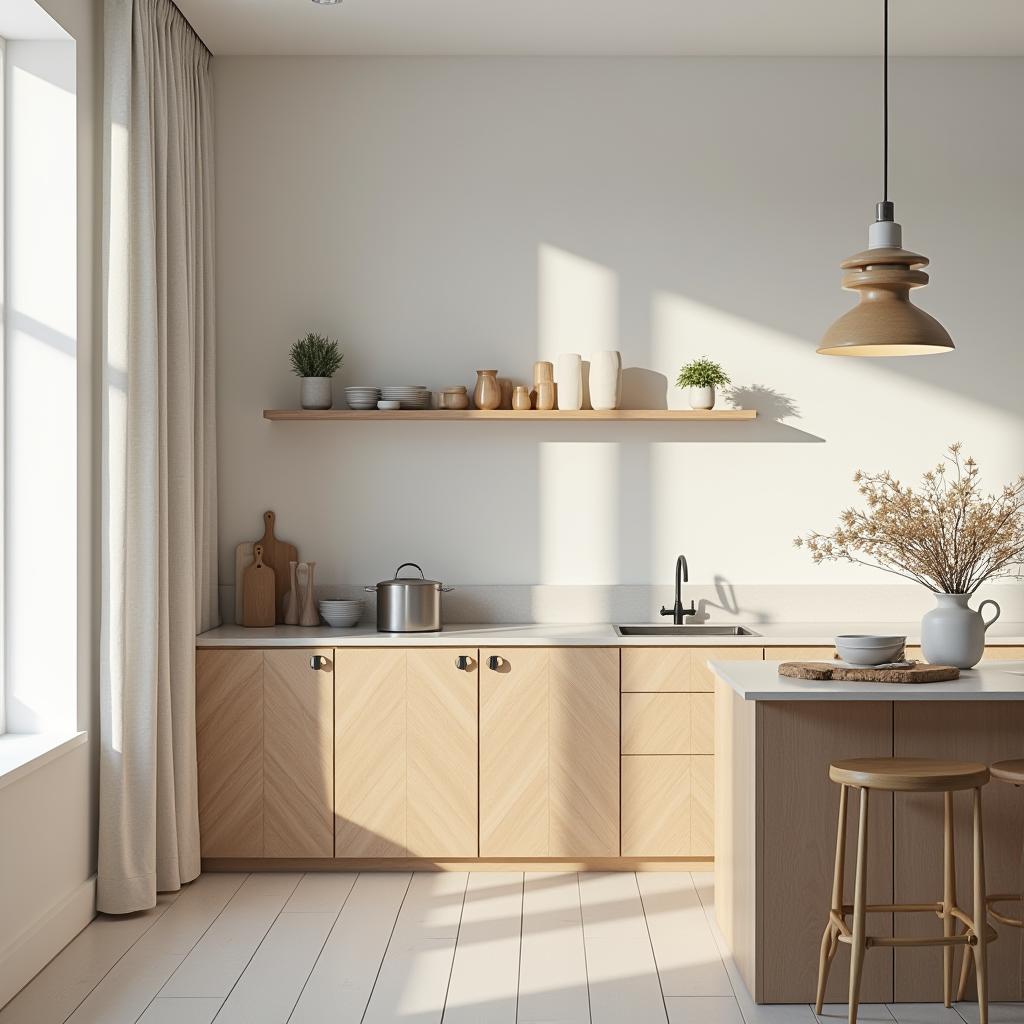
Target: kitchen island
[[776, 811]]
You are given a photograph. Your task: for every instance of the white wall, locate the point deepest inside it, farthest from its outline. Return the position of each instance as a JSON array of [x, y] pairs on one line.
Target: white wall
[[47, 856], [440, 215]]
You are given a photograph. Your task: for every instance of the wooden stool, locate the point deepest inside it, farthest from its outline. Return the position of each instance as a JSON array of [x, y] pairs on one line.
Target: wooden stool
[[905, 775], [1013, 773]]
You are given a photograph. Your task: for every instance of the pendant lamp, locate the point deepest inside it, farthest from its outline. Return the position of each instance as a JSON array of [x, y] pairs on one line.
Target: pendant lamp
[[885, 322]]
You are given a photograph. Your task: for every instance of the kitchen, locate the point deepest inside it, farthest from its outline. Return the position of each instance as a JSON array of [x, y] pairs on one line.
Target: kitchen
[[550, 771]]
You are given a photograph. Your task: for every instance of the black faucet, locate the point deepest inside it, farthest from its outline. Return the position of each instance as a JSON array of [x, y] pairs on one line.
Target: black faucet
[[677, 611]]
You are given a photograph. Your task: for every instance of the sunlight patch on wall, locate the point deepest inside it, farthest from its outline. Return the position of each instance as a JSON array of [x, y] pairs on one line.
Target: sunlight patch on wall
[[577, 302]]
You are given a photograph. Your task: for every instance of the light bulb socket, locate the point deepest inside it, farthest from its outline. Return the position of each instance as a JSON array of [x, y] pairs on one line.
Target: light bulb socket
[[885, 211], [885, 233]]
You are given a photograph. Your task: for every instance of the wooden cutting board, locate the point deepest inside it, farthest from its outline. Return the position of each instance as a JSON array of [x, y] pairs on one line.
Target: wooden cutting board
[[276, 555], [243, 559], [258, 594], [823, 671]]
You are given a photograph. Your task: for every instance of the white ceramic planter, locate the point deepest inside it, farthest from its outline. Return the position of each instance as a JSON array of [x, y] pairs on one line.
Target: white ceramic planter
[[569, 378], [316, 393], [702, 398], [605, 380], [954, 633]]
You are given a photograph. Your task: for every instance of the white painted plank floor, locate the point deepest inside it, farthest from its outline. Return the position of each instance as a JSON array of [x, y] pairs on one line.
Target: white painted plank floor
[[426, 948]]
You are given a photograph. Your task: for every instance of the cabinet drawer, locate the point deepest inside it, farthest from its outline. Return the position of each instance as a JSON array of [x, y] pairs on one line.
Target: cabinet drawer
[[824, 653], [668, 723], [677, 669]]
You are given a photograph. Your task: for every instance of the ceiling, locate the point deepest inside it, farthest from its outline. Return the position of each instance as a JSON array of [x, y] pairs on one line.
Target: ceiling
[[607, 27], [25, 19]]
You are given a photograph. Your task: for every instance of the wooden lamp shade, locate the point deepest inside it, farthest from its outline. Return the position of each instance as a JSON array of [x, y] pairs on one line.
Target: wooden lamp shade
[[885, 322]]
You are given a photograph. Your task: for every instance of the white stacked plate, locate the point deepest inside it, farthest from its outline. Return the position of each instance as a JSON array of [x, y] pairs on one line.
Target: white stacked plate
[[412, 396], [362, 397], [341, 614]]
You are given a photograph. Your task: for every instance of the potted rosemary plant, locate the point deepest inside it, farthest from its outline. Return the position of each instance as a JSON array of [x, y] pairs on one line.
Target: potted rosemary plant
[[947, 534], [702, 376], [316, 359]]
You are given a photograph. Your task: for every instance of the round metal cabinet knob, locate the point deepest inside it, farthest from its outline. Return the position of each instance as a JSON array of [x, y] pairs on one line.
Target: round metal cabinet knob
[[493, 662], [462, 662], [318, 662]]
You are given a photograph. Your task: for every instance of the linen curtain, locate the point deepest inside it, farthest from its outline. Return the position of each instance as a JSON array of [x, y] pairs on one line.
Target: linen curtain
[[159, 516]]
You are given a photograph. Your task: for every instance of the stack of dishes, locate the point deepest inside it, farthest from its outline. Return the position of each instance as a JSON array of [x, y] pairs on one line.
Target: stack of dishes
[[341, 614], [362, 398], [412, 396]]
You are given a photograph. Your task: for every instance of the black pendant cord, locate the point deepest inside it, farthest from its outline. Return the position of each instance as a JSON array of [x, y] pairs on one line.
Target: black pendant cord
[[885, 101]]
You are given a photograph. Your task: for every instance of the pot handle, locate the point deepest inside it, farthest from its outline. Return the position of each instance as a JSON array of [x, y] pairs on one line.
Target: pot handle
[[409, 565], [994, 617], [370, 590], [448, 590]]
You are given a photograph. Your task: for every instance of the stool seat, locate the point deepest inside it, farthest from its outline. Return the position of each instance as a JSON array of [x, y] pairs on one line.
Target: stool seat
[[1009, 771], [909, 774]]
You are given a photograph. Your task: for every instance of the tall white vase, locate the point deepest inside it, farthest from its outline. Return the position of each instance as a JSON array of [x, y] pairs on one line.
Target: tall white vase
[[605, 379], [954, 633], [569, 378]]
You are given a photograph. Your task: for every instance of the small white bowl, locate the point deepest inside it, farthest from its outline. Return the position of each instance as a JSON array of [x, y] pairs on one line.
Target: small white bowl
[[388, 405], [341, 614], [870, 650]]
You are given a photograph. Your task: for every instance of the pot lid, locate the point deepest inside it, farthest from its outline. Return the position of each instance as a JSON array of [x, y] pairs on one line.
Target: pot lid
[[409, 581]]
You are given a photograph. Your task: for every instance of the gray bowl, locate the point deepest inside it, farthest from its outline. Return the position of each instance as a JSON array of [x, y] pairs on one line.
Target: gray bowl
[[870, 650]]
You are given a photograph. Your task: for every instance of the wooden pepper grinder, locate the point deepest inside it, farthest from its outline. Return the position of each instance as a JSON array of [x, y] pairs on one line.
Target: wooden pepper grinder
[[310, 615]]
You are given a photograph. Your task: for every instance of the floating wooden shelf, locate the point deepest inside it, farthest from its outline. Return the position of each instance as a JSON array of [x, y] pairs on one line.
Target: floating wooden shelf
[[534, 415]]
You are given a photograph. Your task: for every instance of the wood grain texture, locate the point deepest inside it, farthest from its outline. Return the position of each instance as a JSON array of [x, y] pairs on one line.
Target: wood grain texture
[[229, 751], [441, 785], [668, 415], [823, 653], [737, 811], [967, 730], [583, 752], [298, 754], [656, 806], [702, 806], [677, 669], [370, 753], [656, 723], [258, 601], [796, 742], [702, 723], [514, 754]]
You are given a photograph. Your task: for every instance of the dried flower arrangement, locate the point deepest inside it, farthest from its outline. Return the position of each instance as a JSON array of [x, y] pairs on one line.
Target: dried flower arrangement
[[948, 534]]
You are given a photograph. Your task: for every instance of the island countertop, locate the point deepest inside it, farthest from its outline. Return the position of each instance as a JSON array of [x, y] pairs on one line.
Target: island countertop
[[760, 680]]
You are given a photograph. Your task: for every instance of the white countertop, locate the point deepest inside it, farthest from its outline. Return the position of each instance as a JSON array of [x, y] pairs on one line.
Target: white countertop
[[800, 634], [760, 680]]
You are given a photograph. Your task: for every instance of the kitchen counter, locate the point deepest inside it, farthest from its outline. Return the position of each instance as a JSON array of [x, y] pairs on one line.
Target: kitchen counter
[[760, 680], [799, 634]]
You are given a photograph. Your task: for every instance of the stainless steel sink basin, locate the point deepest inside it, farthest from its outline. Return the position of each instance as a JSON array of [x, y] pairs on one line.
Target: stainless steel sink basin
[[662, 630]]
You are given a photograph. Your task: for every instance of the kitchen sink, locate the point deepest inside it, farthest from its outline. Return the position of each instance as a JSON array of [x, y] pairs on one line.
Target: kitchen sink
[[663, 630]]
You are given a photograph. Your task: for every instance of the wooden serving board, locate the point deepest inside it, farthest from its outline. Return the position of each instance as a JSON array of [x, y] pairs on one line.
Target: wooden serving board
[[276, 555], [258, 592], [822, 670]]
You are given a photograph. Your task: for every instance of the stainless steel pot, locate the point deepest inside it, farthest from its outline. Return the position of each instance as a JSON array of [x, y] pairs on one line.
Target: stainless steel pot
[[408, 605]]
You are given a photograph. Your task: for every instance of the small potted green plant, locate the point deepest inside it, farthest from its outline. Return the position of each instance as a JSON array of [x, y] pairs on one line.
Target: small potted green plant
[[702, 376], [316, 359]]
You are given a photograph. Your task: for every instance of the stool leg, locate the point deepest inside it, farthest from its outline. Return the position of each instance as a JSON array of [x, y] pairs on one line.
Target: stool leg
[[858, 946], [948, 902], [980, 912], [965, 974], [828, 943]]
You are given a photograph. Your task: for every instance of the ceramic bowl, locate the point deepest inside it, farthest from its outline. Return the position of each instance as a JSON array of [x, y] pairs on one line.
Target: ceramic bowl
[[341, 614], [388, 405], [870, 650]]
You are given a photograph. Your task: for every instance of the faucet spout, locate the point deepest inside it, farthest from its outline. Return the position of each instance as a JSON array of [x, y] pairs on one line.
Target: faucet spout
[[677, 611]]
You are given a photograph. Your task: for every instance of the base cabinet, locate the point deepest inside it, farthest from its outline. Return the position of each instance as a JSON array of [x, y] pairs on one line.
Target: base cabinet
[[264, 750], [549, 752], [405, 753]]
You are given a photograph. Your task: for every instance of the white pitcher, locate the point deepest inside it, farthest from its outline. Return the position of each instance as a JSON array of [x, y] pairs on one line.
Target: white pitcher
[[954, 633]]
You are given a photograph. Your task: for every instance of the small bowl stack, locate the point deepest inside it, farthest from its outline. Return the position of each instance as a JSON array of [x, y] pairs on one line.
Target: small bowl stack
[[412, 396], [362, 398], [341, 614], [870, 650]]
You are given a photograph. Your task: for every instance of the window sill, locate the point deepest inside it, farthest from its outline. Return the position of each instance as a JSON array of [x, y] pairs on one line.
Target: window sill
[[22, 753]]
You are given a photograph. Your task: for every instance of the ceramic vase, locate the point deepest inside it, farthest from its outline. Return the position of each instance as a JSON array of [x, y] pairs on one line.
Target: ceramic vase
[[506, 392], [569, 378], [546, 393], [702, 398], [953, 633], [521, 399], [316, 393], [292, 604], [605, 380], [310, 614], [487, 394], [543, 371]]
